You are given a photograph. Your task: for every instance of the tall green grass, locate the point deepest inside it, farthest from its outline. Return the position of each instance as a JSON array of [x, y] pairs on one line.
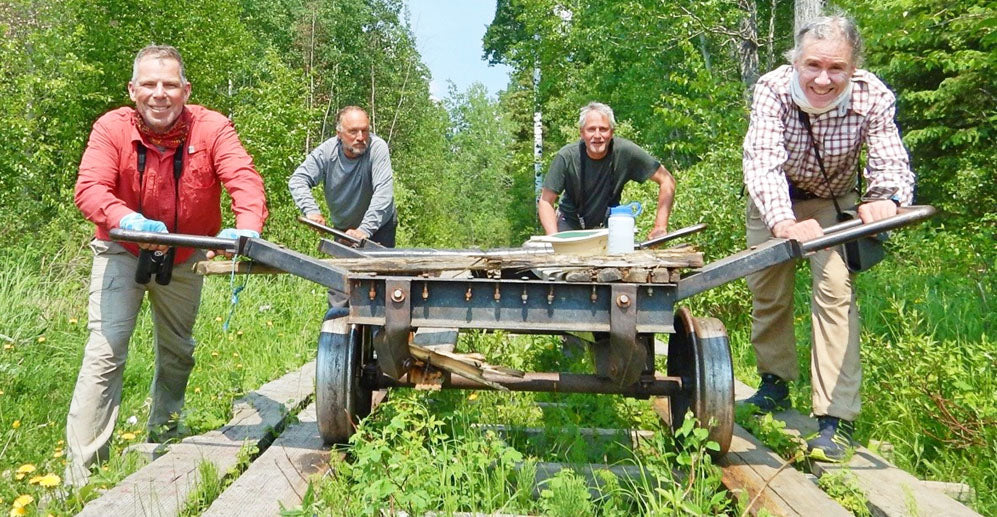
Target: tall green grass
[[44, 285]]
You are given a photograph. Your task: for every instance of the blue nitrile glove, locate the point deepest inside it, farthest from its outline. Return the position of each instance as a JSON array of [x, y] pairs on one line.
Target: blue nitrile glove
[[137, 223], [233, 233]]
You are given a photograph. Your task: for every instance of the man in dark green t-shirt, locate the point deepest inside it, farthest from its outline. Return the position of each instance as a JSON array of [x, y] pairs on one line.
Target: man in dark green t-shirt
[[592, 172]]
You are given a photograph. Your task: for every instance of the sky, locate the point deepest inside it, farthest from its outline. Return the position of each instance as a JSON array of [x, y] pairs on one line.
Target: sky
[[448, 36]]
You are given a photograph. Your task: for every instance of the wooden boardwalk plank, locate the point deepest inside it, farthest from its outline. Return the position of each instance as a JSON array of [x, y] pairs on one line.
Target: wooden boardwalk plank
[[162, 487], [891, 491], [280, 475], [751, 468]]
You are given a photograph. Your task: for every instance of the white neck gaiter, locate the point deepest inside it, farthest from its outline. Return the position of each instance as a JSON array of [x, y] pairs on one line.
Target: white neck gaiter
[[800, 98]]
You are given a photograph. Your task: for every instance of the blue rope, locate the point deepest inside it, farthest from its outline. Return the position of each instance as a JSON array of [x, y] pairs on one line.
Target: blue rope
[[235, 292]]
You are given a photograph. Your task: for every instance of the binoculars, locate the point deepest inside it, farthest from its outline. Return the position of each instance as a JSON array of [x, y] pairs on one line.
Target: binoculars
[[155, 263]]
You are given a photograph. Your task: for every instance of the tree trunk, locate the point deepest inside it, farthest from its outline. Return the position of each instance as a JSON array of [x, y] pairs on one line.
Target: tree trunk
[[747, 50], [805, 11]]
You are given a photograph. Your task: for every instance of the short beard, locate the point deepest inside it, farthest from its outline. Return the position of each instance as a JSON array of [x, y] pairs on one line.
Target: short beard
[[357, 151]]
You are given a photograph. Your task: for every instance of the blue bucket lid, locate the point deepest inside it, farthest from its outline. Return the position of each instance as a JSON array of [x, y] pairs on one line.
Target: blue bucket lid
[[632, 209]]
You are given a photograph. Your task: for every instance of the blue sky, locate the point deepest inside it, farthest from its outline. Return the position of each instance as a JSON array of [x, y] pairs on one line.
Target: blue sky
[[448, 36]]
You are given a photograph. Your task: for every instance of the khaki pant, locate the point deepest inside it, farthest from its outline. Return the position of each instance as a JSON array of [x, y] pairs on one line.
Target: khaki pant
[[835, 365], [115, 299]]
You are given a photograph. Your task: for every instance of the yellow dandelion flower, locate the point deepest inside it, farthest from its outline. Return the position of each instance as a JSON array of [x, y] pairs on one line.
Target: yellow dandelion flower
[[238, 333], [23, 500], [231, 337], [472, 396], [235, 354], [218, 318], [58, 453], [128, 436], [214, 354], [8, 346], [49, 481], [269, 323], [197, 390], [16, 424], [27, 468], [34, 480], [1, 392], [18, 476], [41, 339], [60, 442], [239, 365], [18, 510], [73, 321]]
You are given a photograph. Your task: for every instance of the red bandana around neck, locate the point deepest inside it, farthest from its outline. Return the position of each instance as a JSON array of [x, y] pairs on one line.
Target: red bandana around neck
[[169, 139]]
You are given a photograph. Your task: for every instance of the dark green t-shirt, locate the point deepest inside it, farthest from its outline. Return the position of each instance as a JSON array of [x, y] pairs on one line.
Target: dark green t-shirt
[[592, 193]]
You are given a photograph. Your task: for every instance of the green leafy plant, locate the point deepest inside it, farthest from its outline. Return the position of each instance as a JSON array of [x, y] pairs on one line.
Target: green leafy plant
[[770, 431], [842, 486]]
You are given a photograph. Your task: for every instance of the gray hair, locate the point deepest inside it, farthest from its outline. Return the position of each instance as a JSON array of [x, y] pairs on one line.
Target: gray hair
[[597, 107], [160, 52], [341, 113], [837, 25]]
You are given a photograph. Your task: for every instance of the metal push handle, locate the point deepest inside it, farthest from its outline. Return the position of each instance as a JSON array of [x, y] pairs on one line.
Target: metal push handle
[[257, 249], [688, 230], [177, 239], [359, 243], [777, 251], [853, 229]]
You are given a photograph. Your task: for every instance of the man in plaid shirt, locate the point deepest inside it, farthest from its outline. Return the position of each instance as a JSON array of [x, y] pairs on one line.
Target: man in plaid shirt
[[790, 198]]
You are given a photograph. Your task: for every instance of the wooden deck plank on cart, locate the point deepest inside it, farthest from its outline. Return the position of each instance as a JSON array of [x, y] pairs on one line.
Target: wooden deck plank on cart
[[162, 487], [891, 491], [402, 265]]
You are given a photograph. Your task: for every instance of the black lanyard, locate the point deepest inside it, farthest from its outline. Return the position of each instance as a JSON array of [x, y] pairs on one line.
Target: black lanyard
[[177, 171], [805, 120], [577, 190]]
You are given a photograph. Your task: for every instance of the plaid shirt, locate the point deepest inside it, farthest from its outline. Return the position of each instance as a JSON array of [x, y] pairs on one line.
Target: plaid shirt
[[777, 147]]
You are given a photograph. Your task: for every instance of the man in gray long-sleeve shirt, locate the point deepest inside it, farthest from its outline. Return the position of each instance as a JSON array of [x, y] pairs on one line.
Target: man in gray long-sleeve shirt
[[355, 168]]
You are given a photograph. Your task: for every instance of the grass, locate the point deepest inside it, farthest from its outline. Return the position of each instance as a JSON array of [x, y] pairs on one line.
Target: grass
[[43, 333]]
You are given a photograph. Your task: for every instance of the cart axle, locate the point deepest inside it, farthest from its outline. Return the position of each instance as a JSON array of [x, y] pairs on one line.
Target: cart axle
[[658, 385]]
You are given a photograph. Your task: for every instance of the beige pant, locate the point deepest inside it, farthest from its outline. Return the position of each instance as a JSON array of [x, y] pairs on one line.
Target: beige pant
[[835, 365], [115, 299]]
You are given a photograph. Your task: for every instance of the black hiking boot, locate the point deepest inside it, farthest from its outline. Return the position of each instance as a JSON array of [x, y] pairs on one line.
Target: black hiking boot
[[772, 395], [833, 440]]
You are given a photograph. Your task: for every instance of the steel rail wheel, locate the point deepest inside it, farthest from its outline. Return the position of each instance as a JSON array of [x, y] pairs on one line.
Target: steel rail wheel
[[699, 353], [340, 398]]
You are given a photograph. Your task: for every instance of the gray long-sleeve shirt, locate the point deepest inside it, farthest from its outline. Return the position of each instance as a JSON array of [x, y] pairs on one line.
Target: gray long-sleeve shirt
[[359, 192]]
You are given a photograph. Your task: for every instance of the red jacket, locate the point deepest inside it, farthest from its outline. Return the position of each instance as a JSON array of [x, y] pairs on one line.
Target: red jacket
[[108, 189]]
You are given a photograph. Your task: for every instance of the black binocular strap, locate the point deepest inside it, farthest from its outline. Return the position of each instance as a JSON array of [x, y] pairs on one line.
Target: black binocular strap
[[177, 172]]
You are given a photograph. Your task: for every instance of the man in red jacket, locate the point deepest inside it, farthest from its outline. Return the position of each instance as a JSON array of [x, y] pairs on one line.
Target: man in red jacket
[[157, 167]]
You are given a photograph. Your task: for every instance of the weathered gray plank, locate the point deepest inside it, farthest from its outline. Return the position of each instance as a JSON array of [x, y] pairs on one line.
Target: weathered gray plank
[[280, 475], [891, 491], [163, 486], [659, 260], [752, 469]]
